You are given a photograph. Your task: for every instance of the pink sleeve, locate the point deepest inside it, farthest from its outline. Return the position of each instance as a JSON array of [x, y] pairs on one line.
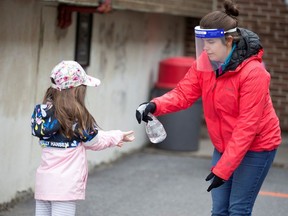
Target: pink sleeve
[[104, 139]]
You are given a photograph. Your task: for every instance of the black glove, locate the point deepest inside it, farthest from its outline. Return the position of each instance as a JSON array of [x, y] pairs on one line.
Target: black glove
[[217, 181], [143, 110]]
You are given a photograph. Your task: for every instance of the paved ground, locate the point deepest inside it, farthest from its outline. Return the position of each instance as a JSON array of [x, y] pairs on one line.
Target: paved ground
[[156, 182]]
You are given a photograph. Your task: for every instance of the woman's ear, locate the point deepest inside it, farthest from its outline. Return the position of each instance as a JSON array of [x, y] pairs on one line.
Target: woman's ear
[[229, 41]]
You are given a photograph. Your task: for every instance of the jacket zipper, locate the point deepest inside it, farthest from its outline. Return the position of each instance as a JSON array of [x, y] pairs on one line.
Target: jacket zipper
[[219, 119]]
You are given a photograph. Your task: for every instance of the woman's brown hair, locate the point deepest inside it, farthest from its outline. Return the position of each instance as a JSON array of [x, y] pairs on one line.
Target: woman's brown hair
[[69, 105], [222, 20]]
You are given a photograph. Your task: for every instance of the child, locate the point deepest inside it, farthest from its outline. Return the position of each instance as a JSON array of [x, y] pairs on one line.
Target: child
[[66, 130]]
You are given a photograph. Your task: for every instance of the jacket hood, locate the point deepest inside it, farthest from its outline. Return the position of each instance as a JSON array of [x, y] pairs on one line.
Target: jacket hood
[[248, 46]]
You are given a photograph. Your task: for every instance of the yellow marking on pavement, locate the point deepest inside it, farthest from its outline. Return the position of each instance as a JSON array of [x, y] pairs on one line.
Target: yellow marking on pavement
[[273, 194]]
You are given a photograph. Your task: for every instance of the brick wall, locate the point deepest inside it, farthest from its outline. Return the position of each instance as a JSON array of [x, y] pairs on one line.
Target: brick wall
[[269, 19]]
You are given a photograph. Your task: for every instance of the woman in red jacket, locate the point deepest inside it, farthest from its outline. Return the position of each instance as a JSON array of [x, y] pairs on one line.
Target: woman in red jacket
[[229, 76]]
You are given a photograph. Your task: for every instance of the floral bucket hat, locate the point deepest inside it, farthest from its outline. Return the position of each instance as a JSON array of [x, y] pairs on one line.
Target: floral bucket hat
[[70, 74]]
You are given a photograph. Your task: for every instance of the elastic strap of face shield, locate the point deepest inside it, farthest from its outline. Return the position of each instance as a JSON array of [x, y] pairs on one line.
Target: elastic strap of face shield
[[231, 30], [227, 33]]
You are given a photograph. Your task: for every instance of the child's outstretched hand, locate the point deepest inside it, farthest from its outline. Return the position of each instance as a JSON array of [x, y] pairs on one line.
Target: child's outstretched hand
[[127, 137]]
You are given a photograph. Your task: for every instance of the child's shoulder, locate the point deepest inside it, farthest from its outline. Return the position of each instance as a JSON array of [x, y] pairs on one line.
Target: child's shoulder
[[43, 122], [43, 110]]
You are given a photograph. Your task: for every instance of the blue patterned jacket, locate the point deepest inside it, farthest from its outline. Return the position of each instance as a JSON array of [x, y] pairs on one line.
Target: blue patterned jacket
[[46, 127]]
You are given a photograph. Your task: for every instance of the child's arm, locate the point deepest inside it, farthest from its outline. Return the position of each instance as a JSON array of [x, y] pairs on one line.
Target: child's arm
[[106, 139]]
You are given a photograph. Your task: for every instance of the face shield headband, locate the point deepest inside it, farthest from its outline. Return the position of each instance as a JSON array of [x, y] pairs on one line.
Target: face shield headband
[[211, 49]]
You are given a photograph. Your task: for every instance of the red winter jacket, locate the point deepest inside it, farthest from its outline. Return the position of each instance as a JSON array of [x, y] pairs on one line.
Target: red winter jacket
[[237, 107]]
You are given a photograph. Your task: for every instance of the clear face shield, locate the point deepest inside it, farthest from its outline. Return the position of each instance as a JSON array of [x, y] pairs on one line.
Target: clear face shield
[[211, 50]]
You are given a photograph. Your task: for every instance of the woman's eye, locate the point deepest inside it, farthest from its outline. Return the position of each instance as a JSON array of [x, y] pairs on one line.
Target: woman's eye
[[210, 41]]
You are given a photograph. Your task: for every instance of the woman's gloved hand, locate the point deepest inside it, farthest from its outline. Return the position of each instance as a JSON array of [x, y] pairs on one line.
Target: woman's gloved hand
[[143, 110], [217, 181]]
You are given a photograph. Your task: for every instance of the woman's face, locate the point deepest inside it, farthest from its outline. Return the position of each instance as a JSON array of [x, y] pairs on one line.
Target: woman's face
[[216, 49]]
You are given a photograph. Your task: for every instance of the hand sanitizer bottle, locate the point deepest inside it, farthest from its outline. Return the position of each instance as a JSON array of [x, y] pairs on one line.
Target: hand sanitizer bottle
[[155, 130]]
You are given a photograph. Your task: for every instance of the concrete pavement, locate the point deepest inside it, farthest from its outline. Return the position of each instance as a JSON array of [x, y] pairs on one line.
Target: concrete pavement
[[155, 182]]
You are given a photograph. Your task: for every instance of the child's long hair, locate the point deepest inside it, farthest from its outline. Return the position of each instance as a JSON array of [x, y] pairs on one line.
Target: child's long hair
[[70, 108]]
